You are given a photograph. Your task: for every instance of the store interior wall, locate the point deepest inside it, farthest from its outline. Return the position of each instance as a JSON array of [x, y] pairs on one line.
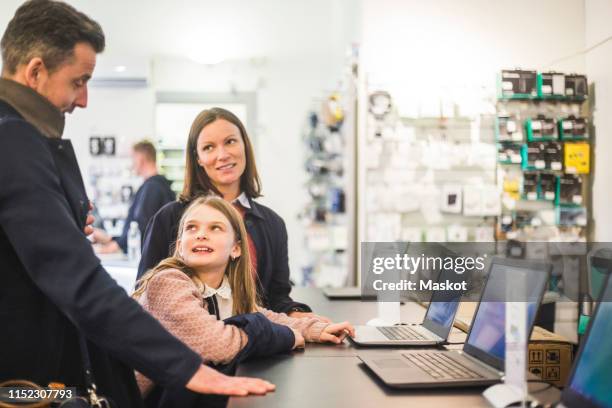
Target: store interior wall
[[598, 15], [426, 52]]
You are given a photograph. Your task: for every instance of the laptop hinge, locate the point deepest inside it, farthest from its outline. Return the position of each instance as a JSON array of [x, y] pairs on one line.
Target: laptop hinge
[[481, 364]]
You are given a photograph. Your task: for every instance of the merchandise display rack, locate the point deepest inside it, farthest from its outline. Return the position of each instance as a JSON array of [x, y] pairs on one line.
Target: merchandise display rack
[[324, 215], [545, 144], [112, 187], [328, 215], [171, 160], [428, 178]]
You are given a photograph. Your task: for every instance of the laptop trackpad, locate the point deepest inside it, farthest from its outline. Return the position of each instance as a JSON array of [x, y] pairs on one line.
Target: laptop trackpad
[[386, 363], [397, 371]]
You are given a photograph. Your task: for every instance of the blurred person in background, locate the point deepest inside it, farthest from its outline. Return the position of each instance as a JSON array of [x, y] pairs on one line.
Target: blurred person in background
[[152, 195]]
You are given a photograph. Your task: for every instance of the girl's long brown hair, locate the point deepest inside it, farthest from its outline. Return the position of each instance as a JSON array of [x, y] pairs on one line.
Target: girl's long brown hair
[[238, 271], [196, 180]]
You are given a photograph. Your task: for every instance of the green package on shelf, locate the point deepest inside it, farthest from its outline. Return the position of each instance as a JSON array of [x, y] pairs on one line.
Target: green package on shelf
[[517, 84], [540, 128], [573, 128], [551, 85]]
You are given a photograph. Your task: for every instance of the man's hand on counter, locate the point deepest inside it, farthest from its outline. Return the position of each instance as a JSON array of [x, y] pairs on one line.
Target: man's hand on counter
[[209, 381]]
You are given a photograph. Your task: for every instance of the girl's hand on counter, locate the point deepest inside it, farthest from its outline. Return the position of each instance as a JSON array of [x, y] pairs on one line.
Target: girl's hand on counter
[[336, 332]]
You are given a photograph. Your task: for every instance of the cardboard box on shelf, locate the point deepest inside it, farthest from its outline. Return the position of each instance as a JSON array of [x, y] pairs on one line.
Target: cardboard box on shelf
[[464, 315], [550, 356]]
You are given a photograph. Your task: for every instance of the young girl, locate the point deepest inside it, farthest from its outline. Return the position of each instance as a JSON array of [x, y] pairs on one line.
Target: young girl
[[209, 279]]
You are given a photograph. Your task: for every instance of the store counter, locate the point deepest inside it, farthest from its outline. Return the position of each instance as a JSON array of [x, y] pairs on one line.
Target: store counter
[[327, 375]]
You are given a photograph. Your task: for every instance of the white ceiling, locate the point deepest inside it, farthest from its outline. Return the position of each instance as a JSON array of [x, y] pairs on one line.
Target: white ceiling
[[237, 28]]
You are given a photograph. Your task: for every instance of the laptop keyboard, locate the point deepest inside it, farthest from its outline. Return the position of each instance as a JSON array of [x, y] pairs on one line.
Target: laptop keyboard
[[401, 333], [441, 366]]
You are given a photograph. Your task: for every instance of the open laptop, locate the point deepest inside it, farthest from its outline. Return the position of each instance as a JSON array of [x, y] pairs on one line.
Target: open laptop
[[481, 361], [434, 330], [588, 385]]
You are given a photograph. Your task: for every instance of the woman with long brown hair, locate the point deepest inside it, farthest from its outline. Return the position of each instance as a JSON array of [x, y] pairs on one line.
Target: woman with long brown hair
[[220, 161], [209, 279]]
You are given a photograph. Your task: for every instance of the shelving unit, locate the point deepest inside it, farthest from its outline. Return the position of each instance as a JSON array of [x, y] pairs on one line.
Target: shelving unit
[[428, 178], [544, 154], [171, 160], [113, 186], [329, 214], [325, 214]]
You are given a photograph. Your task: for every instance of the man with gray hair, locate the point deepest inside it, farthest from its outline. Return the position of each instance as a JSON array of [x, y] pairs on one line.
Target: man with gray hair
[[63, 316]]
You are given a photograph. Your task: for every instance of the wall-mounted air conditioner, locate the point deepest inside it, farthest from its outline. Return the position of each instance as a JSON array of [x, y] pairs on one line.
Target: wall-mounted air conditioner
[[121, 72]]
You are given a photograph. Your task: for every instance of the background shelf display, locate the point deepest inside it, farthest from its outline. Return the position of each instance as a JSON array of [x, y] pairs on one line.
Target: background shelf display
[[324, 214], [519, 84], [491, 175], [328, 215], [428, 178], [546, 193], [113, 186], [171, 161]]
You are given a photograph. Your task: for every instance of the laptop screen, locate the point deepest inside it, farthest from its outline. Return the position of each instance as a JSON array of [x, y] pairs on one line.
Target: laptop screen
[[593, 369], [442, 313], [443, 306], [487, 339], [489, 331]]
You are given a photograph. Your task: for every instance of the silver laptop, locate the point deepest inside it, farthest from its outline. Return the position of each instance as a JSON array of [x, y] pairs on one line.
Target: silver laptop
[[434, 330], [481, 361]]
